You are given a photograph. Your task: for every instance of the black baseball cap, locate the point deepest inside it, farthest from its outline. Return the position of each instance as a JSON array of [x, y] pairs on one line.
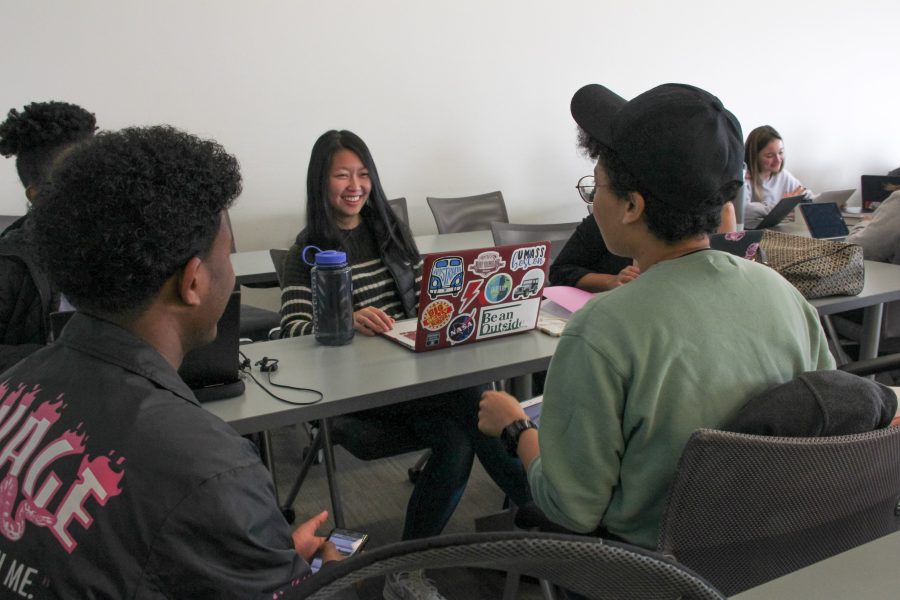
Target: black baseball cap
[[679, 141]]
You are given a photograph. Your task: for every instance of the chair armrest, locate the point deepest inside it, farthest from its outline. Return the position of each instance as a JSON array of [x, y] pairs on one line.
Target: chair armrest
[[873, 365]]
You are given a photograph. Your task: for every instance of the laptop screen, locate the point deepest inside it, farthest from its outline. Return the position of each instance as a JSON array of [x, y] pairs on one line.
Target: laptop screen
[[824, 220], [875, 188], [211, 371]]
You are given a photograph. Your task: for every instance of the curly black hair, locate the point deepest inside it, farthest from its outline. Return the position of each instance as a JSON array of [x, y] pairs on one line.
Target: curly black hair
[[668, 223], [124, 211], [36, 135]]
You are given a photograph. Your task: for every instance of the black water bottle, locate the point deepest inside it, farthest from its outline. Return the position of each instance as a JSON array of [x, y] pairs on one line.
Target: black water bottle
[[332, 297]]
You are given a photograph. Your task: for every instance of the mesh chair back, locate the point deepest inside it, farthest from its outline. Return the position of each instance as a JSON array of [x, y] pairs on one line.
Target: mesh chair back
[[469, 213], [517, 233], [745, 509], [399, 207], [589, 566]]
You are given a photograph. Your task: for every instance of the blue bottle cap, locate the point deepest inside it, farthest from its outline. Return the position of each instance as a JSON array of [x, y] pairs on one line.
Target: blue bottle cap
[[325, 258], [331, 257]]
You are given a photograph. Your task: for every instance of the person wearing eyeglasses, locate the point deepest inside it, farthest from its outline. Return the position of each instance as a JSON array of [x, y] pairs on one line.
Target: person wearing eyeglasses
[[587, 264], [638, 369]]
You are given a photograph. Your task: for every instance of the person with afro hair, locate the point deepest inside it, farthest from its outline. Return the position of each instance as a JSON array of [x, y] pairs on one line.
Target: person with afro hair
[[35, 136], [123, 486]]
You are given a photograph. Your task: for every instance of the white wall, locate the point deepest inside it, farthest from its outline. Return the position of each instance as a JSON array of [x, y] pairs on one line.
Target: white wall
[[453, 97]]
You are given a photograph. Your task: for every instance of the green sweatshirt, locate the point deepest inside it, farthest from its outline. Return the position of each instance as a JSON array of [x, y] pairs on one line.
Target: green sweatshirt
[[641, 367]]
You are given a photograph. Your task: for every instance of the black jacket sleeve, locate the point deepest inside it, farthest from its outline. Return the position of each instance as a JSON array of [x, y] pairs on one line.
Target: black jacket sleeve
[[21, 313], [585, 253]]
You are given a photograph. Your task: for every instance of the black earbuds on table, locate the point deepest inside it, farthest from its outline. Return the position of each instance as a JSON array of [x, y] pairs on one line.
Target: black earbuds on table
[[267, 365]]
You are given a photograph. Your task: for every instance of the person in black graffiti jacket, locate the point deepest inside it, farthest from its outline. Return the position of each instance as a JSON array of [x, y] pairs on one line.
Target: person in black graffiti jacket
[[114, 481]]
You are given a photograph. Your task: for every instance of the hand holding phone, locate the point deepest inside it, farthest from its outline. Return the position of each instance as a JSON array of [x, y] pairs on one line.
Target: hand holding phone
[[347, 543]]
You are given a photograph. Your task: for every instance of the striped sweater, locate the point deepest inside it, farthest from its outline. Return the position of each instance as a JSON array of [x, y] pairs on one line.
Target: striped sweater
[[372, 283]]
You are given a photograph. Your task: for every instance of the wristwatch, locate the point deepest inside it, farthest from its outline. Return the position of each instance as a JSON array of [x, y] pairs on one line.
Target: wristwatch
[[510, 434]]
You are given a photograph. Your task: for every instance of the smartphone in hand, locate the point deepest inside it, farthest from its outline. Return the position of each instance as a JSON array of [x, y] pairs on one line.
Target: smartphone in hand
[[347, 542]]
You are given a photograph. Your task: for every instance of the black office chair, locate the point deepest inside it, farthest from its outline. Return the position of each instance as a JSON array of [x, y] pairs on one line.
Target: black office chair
[[589, 566], [468, 213], [746, 509]]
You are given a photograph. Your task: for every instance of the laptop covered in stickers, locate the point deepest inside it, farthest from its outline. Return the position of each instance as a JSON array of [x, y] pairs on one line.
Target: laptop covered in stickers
[[471, 295]]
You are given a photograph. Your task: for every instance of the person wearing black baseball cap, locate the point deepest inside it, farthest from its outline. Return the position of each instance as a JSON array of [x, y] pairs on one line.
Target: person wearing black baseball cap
[[639, 368]]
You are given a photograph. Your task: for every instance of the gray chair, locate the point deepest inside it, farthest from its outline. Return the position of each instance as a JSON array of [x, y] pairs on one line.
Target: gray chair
[[278, 255], [257, 324], [589, 566], [516, 233], [7, 220], [399, 207], [468, 213], [746, 509]]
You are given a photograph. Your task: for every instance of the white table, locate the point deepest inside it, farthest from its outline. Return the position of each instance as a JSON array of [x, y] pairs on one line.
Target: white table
[[867, 572], [368, 373]]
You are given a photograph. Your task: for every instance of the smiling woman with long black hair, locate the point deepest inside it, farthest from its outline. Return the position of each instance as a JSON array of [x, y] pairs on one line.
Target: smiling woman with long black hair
[[346, 209]]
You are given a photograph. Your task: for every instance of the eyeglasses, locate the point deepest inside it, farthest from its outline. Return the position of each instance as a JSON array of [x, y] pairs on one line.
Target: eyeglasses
[[586, 187]]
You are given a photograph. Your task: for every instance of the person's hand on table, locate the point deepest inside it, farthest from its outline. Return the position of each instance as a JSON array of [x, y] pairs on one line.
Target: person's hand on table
[[371, 320], [496, 411]]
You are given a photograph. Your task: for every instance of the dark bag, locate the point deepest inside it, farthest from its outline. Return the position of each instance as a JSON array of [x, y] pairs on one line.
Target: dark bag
[[817, 268], [745, 244]]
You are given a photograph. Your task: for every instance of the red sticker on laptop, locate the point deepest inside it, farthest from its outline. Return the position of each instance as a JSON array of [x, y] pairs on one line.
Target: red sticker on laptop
[[437, 314], [487, 263]]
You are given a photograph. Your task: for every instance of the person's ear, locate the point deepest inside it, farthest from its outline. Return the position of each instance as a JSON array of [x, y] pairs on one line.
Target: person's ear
[[191, 282], [31, 192], [634, 209]]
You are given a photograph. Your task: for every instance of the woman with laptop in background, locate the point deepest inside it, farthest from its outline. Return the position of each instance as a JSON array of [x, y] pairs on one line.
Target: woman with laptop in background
[[346, 209], [766, 177]]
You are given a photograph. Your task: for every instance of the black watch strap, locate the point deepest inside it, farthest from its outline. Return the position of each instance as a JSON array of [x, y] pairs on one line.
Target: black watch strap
[[511, 433]]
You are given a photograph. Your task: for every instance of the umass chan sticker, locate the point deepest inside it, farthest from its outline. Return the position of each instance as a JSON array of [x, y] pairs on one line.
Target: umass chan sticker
[[461, 328], [437, 314], [487, 263]]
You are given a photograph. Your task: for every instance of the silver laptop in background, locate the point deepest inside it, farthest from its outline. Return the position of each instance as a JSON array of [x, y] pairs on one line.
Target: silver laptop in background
[[838, 197]]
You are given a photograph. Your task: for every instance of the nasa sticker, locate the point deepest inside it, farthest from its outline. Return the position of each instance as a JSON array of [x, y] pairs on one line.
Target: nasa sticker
[[487, 263], [437, 314], [461, 328], [525, 258], [530, 284], [498, 288]]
